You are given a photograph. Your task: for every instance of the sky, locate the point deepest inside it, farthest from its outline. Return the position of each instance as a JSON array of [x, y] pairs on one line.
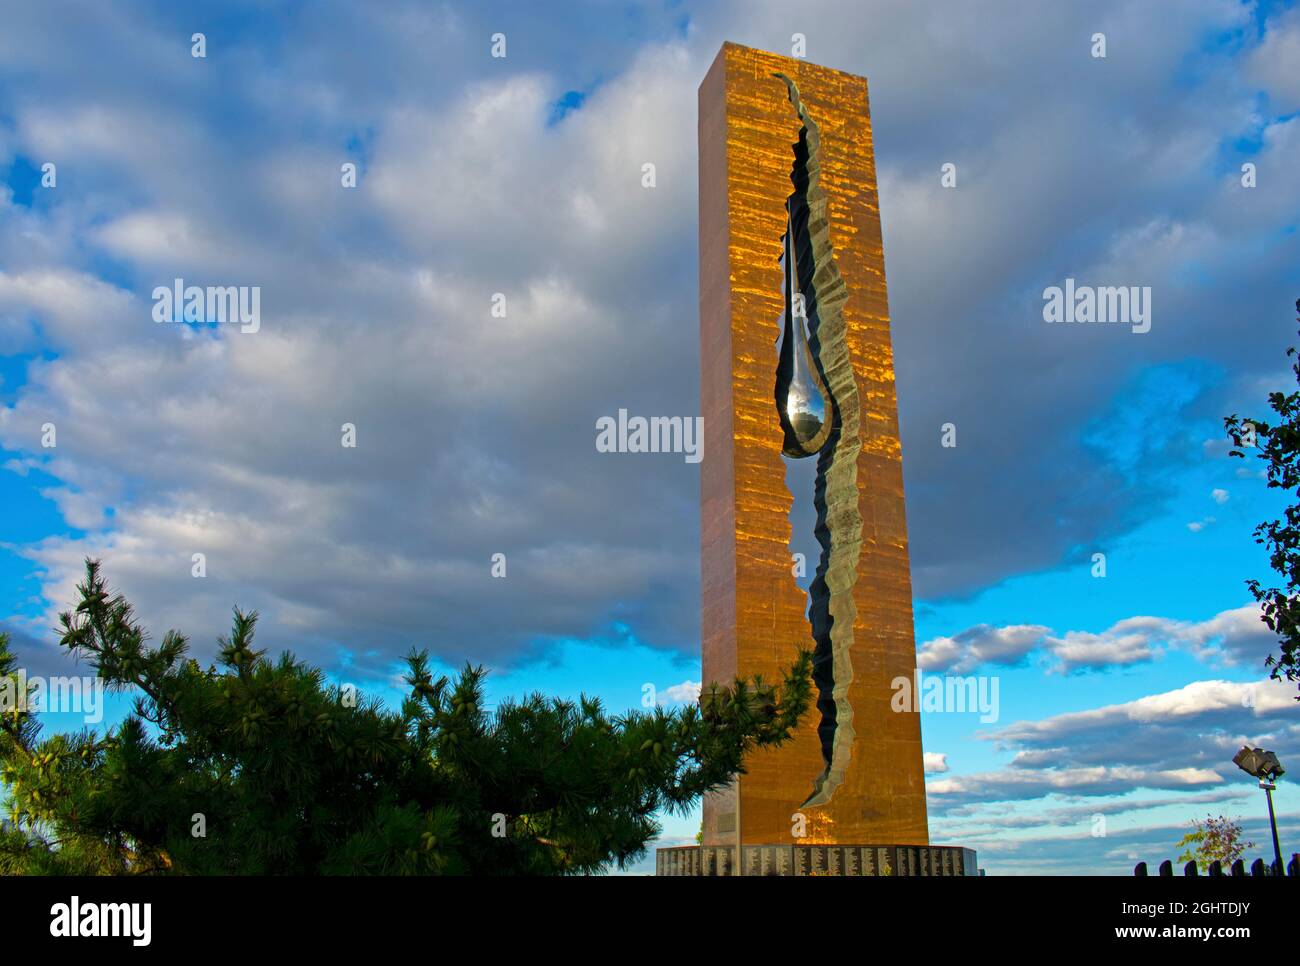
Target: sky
[[516, 183]]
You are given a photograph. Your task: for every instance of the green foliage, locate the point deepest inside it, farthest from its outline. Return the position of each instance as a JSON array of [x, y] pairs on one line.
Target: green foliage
[[1215, 838], [291, 776], [1278, 445]]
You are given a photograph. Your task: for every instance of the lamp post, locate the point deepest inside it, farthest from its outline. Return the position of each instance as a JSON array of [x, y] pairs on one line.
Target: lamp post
[[1264, 765]]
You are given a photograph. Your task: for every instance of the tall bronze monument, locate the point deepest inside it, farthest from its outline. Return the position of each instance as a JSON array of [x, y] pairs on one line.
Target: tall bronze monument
[[796, 360]]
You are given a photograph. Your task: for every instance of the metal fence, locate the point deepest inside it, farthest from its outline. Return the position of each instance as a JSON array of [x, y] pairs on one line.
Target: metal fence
[[1216, 870]]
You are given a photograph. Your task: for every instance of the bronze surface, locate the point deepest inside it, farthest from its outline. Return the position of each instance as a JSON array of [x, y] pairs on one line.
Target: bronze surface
[[754, 614]]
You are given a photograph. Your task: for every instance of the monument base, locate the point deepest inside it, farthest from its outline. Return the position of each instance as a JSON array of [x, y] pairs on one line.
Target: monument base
[[908, 860]]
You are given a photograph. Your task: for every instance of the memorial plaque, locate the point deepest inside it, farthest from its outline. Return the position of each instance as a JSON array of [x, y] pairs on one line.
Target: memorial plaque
[[785, 860], [834, 860], [852, 860], [829, 860], [802, 860], [820, 860]]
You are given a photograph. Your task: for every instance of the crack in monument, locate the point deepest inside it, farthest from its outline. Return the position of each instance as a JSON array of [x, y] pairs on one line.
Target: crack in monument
[[836, 441]]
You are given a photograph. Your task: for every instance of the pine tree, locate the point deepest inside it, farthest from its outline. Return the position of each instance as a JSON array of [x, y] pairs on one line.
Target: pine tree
[[255, 766]]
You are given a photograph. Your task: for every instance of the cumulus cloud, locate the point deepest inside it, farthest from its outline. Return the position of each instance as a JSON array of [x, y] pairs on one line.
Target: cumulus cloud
[[1232, 637], [1097, 780], [475, 434], [1129, 641], [1235, 637], [688, 692], [1197, 700], [978, 819], [980, 645], [1174, 740], [935, 763], [1273, 63]]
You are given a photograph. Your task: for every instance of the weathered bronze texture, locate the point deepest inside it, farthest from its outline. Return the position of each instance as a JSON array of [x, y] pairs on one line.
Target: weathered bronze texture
[[861, 779]]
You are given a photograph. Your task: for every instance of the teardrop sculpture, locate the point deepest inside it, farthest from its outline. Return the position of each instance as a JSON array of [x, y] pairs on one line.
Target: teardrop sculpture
[[801, 398]]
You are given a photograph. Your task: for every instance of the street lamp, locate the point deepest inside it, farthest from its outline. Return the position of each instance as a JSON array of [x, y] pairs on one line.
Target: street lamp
[[1263, 765]]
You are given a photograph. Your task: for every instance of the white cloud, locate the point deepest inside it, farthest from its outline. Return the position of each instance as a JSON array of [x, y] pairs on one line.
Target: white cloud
[[375, 311], [688, 692], [1275, 63], [1179, 739], [1129, 641], [1196, 699], [1096, 780], [72, 306], [155, 238], [935, 763], [979, 645], [1235, 636]]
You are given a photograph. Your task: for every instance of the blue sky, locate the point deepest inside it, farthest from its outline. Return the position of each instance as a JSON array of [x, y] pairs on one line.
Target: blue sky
[[1120, 695]]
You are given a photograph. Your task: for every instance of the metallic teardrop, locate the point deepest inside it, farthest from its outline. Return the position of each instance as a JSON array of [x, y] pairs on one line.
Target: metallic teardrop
[[801, 397]]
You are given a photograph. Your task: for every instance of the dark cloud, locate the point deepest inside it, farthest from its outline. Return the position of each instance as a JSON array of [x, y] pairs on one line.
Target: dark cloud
[[36, 656]]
